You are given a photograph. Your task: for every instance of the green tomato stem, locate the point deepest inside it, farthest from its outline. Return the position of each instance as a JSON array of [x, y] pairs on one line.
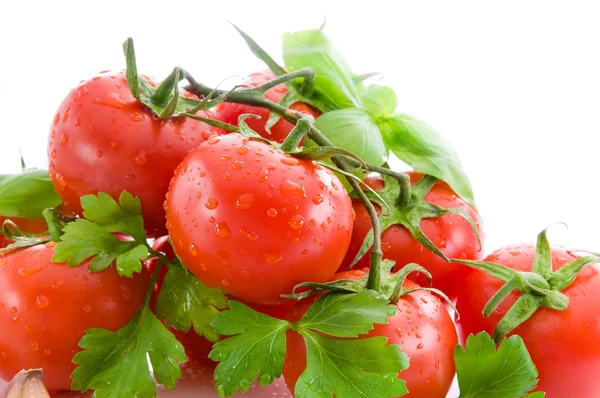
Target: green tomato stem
[[403, 181]]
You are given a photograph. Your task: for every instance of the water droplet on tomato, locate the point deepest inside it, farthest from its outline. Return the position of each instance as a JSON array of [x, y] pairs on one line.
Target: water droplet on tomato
[[225, 157], [244, 201], [252, 236], [47, 351], [114, 144], [289, 188], [66, 115], [42, 301], [193, 250], [53, 154], [295, 239], [305, 251], [418, 335], [211, 219], [64, 138], [3, 354], [242, 149], [140, 159], [272, 212], [296, 221], [222, 229], [318, 199], [263, 174], [211, 203], [225, 282], [130, 177], [56, 118], [99, 154], [246, 273], [137, 117], [111, 99], [515, 252], [13, 310], [289, 161], [29, 271], [35, 346], [272, 257], [237, 165], [87, 308], [399, 332]]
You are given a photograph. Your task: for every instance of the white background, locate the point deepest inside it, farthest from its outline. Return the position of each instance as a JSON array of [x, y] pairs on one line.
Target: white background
[[514, 85]]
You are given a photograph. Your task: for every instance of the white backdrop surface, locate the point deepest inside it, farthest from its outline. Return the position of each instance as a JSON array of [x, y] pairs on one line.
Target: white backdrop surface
[[514, 85]]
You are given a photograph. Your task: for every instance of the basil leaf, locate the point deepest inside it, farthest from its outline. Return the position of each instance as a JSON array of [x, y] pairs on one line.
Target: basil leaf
[[426, 150], [379, 101], [334, 83], [26, 194], [353, 129]]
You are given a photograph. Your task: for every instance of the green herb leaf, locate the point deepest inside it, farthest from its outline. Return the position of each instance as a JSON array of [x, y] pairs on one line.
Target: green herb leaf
[[379, 101], [261, 54], [115, 364], [425, 150], [184, 302], [257, 348], [94, 237], [334, 85], [351, 368], [353, 129], [348, 315], [26, 194], [484, 372]]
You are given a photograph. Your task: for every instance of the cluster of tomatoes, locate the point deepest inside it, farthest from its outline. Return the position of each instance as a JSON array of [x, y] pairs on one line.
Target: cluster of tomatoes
[[253, 221]]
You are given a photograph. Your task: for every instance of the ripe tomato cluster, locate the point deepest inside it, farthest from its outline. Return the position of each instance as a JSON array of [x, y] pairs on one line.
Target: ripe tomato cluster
[[248, 217]]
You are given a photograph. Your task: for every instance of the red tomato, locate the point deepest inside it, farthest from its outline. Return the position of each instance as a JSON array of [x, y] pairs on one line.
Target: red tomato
[[564, 345], [452, 234], [422, 327], [253, 221], [229, 112], [46, 307], [33, 225], [104, 140]]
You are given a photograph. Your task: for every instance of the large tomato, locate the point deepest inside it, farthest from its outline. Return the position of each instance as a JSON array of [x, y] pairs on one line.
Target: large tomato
[[229, 112], [33, 225], [451, 233], [46, 307], [564, 345], [253, 221], [104, 140], [422, 327]]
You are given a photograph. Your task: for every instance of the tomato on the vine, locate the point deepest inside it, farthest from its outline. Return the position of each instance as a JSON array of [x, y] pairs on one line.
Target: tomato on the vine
[[46, 307], [253, 221], [564, 345], [229, 112], [104, 140], [451, 233], [422, 327], [32, 225]]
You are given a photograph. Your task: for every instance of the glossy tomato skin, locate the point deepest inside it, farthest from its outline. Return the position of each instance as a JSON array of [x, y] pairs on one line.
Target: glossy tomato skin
[[564, 345], [46, 307], [451, 233], [253, 221], [196, 346], [229, 112], [422, 327], [104, 140], [33, 225]]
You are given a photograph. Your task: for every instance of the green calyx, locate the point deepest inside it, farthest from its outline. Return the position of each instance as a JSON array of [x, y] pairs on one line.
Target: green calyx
[[391, 286], [407, 207], [539, 288]]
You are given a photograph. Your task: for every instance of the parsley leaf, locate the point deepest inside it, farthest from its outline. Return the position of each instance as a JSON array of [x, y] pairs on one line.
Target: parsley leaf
[[347, 315], [335, 366], [484, 372], [93, 237], [257, 349], [115, 364], [351, 368], [184, 302]]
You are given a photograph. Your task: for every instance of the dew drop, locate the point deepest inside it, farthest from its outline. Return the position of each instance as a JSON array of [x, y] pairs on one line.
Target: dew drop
[[418, 335], [53, 154], [56, 118], [35, 346], [87, 308], [99, 154], [64, 138], [42, 301], [237, 165], [66, 115], [140, 159], [515, 252], [137, 117], [111, 99], [263, 174], [289, 161], [419, 346], [252, 236], [130, 177], [3, 354], [193, 250], [399, 332], [289, 188], [29, 271], [13, 310], [222, 229], [214, 140], [225, 157], [272, 212], [245, 201], [211, 203], [242, 149], [227, 176], [114, 144], [225, 282], [47, 351], [272, 257], [318, 199], [305, 251], [296, 221]]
